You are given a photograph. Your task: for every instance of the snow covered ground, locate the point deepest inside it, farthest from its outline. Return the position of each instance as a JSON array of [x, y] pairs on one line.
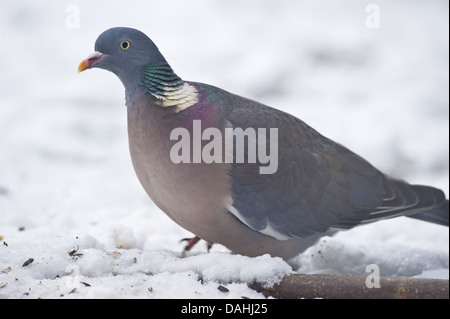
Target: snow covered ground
[[70, 200]]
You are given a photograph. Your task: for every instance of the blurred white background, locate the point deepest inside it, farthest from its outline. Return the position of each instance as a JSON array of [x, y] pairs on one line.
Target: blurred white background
[[64, 163]]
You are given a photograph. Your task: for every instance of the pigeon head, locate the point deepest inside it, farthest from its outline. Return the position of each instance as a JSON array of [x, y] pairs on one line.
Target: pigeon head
[[136, 60], [124, 51]]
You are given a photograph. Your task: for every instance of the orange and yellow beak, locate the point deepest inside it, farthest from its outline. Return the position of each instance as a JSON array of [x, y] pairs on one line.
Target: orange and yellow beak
[[91, 61]]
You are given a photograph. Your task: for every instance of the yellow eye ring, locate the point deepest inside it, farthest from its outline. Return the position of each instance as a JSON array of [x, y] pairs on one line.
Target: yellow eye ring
[[125, 45]]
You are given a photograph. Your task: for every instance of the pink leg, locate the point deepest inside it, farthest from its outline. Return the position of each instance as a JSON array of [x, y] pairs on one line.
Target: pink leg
[[191, 242]]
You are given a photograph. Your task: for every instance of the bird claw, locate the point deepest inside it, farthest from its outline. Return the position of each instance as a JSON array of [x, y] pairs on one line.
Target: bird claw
[[191, 242]]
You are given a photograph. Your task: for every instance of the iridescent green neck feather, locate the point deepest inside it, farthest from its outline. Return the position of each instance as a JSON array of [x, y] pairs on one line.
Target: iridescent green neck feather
[[169, 89]]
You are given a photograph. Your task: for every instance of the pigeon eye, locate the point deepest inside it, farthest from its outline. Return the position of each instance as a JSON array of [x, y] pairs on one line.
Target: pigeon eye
[[124, 45]]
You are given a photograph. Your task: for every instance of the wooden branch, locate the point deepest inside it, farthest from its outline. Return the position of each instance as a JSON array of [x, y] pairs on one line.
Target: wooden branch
[[338, 286]]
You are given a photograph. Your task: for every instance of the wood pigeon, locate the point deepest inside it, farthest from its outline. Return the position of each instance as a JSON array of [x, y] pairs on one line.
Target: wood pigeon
[[201, 154]]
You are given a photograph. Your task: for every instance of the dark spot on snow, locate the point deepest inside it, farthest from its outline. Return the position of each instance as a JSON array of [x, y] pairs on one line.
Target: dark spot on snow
[[223, 289], [4, 191], [73, 252], [28, 262]]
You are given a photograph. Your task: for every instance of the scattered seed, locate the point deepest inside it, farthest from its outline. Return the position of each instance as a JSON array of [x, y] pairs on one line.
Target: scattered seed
[[2, 284], [5, 243], [150, 289], [6, 270], [73, 291], [223, 289], [85, 283], [245, 297], [114, 254], [73, 252], [28, 262], [21, 228]]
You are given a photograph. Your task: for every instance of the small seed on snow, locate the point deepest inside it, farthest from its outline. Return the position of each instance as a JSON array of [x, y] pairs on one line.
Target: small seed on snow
[[29, 261], [6, 270], [223, 289]]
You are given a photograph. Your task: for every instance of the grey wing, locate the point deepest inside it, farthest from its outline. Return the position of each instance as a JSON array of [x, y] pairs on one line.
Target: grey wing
[[318, 185]]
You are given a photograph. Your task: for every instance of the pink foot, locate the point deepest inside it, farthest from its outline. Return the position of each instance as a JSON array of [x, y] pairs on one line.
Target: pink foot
[[191, 242]]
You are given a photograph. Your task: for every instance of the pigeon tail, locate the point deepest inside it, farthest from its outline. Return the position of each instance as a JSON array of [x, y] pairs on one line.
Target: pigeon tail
[[437, 215], [416, 201]]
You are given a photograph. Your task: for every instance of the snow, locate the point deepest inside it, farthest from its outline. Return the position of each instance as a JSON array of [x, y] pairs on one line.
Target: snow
[[66, 179]]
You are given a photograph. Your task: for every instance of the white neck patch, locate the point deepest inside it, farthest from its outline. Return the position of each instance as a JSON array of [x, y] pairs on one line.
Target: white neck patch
[[181, 97]]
